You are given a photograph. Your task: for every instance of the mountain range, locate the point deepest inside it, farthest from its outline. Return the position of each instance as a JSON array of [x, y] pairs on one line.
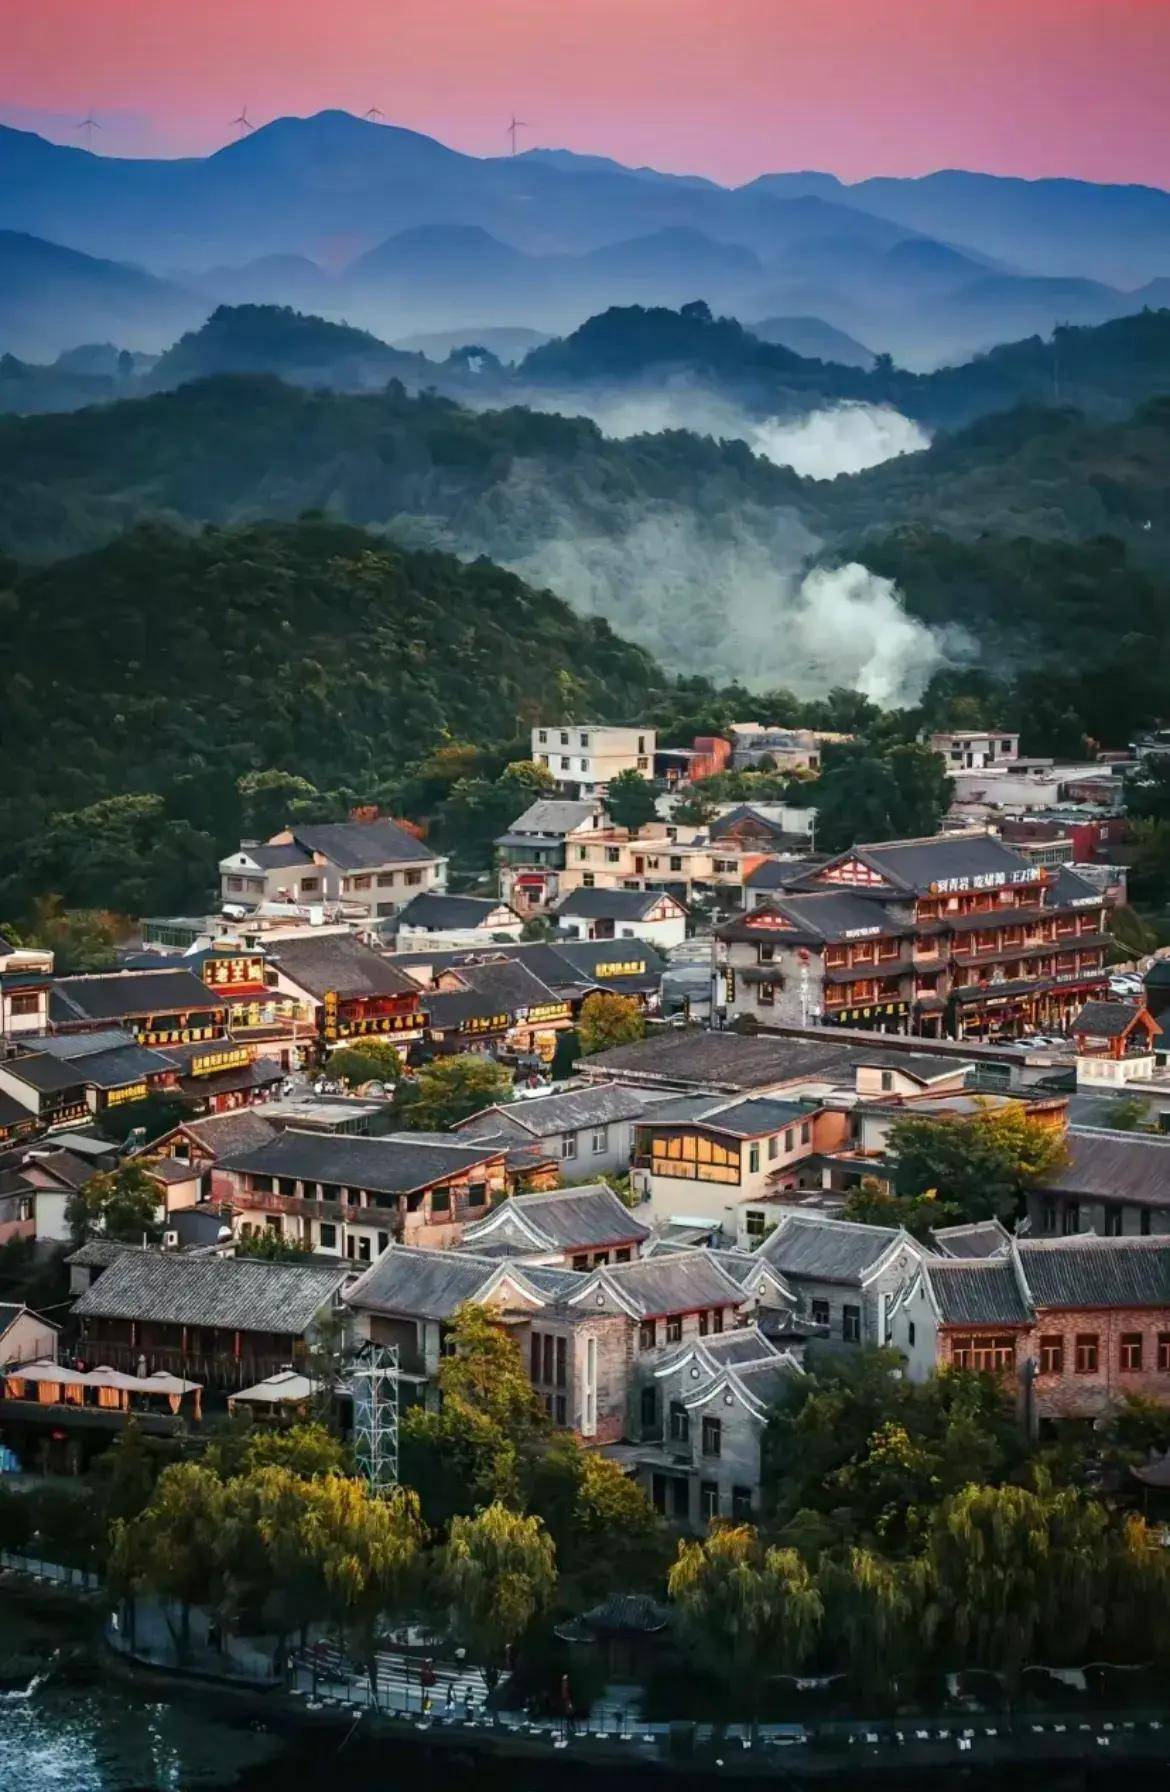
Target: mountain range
[[398, 233]]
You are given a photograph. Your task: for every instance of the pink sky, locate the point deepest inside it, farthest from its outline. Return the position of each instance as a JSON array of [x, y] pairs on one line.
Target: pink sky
[[727, 88]]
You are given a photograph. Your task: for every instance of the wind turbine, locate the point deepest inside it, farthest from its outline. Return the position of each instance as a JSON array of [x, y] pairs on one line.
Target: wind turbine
[[243, 122], [517, 124], [374, 114], [89, 125]]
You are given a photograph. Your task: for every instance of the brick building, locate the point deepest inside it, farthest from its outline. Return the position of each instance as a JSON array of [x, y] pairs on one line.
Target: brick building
[[1076, 1324]]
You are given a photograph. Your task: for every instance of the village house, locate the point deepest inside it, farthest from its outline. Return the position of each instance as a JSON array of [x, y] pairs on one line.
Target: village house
[[26, 976], [570, 970], [369, 868], [764, 827], [957, 934], [25, 1336], [576, 1356], [455, 920], [583, 756], [714, 1401], [1076, 1325], [600, 914], [532, 854], [61, 1078], [345, 992], [1116, 1184], [673, 857], [495, 1004], [846, 1276], [972, 749], [1114, 1045], [353, 1197], [719, 1158], [783, 749], [222, 1321], [588, 1128], [158, 1007], [569, 1228]]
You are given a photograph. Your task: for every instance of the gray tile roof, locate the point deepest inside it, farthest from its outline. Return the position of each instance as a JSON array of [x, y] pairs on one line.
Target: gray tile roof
[[44, 1074], [978, 1238], [1114, 1166], [64, 1166], [1105, 1020], [338, 961], [237, 1294], [777, 874], [420, 1284], [916, 864], [113, 994], [362, 845], [740, 1264], [498, 987], [731, 1061], [824, 916], [673, 1282], [826, 1250], [1086, 1271], [593, 1104], [125, 1064], [97, 1253], [984, 1293], [242, 1129], [73, 1046], [390, 1165], [276, 858], [552, 817], [584, 1218], [616, 905], [435, 909]]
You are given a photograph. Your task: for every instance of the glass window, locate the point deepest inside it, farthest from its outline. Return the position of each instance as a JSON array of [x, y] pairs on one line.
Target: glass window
[[674, 1329], [650, 1408], [753, 1224], [561, 1362], [1113, 1218], [440, 1200], [851, 1324], [820, 1312], [600, 1139], [1052, 1355], [704, 1325], [1164, 1351], [1130, 1360], [1086, 1353], [774, 1146], [328, 1235], [712, 1436], [680, 1423], [753, 1158], [569, 1145], [1071, 1217], [648, 1334], [709, 1499]]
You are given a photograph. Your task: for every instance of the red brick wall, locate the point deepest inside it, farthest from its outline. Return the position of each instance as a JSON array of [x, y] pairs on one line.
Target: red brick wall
[[1073, 1396]]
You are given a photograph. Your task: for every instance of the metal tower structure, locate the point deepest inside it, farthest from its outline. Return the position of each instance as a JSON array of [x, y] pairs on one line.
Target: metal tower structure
[[373, 1376]]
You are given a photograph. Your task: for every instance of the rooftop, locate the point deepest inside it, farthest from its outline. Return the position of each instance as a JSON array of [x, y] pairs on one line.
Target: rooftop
[[113, 995], [724, 1060], [362, 845], [612, 905], [552, 817], [827, 1250], [338, 962], [227, 1293], [669, 1282], [583, 1218], [382, 1165], [565, 1110], [436, 910], [986, 1293], [1114, 1166]]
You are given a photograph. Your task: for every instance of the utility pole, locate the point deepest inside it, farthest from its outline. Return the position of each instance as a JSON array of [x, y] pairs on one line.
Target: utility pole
[[517, 124]]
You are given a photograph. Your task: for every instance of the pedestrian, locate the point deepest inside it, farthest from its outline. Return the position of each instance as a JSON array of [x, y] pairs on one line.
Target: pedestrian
[[450, 1699]]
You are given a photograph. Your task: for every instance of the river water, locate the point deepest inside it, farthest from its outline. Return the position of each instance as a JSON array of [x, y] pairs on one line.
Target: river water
[[73, 1726]]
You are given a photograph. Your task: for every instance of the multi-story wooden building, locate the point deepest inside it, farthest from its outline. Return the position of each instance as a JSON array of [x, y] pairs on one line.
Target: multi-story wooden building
[[345, 991], [1075, 1324], [956, 935]]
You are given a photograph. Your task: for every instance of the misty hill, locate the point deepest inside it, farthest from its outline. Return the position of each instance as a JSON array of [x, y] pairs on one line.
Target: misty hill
[[50, 296], [813, 338], [264, 217], [308, 646], [276, 339], [508, 342]]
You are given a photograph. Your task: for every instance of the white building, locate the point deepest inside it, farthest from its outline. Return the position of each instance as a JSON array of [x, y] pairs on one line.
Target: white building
[[973, 749], [584, 756]]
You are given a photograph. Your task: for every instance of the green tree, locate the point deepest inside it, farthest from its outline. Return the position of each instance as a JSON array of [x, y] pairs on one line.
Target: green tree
[[497, 1573], [451, 1089], [478, 810], [369, 1552], [607, 1020], [746, 1611], [694, 808], [872, 1609], [172, 1548], [983, 1164], [269, 800], [1014, 1575], [629, 801], [124, 853], [871, 1204], [370, 1061], [924, 789], [123, 1204], [273, 1247], [604, 1529], [83, 939]]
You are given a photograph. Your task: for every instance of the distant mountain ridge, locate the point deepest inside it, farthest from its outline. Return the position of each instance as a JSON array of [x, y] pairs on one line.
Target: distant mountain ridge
[[278, 216]]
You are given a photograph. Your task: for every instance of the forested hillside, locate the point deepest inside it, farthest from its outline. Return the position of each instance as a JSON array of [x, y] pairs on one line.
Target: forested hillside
[[171, 665]]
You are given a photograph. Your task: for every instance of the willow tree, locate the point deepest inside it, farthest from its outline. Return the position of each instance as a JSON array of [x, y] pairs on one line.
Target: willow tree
[[172, 1549], [497, 1573], [1012, 1575], [873, 1613], [746, 1612], [365, 1551]]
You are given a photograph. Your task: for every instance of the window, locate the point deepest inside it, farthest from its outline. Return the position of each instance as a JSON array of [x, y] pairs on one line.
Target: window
[[386, 879], [586, 879], [789, 1141], [1164, 1351], [712, 1436], [910, 1334], [559, 1409], [383, 1242], [583, 739], [564, 737], [851, 1324], [704, 1324], [709, 1499], [1086, 1353], [741, 1502], [1048, 1216], [676, 862], [581, 1260], [983, 1353], [674, 1329], [754, 1224], [680, 1423], [887, 1080], [360, 883], [561, 1354], [600, 1140], [26, 1004], [805, 1131], [648, 1334], [1052, 1355], [820, 1312], [569, 1144], [413, 877], [476, 1194], [1071, 1217], [542, 736], [328, 1236], [309, 885], [767, 995], [622, 1255], [1130, 1357], [1113, 1218], [235, 883], [650, 1408], [717, 1319], [753, 1159], [440, 1200], [612, 855], [1145, 1222]]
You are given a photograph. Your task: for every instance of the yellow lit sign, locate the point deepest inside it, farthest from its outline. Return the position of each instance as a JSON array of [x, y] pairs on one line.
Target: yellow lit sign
[[132, 1092], [227, 1060], [632, 967]]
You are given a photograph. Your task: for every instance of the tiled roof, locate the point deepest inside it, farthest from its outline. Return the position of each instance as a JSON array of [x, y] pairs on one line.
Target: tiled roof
[[916, 864], [63, 1166], [499, 987], [978, 1238], [275, 858], [231, 1293], [823, 916], [616, 905], [551, 816], [73, 1046], [115, 994], [383, 1165], [45, 1074], [419, 1283], [435, 909], [777, 874], [567, 1219], [827, 1250], [1085, 1271], [672, 1282], [338, 961], [985, 1293], [362, 845], [725, 1060], [242, 1129], [1105, 1020], [1114, 1166], [125, 1064], [593, 1104]]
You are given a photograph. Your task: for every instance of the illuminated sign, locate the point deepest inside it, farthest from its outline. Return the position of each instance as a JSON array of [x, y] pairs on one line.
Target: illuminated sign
[[225, 1060], [860, 933], [870, 1013], [131, 1092], [223, 972], [329, 1014], [484, 1023], [630, 967], [383, 1023], [549, 1011], [175, 1035], [985, 880]]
